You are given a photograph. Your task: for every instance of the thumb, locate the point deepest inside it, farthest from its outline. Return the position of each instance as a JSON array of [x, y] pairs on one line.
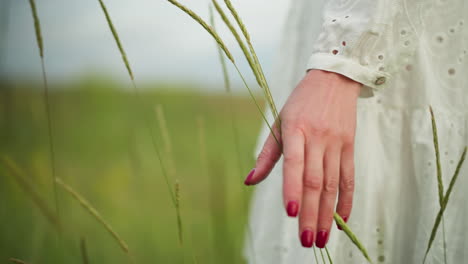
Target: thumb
[[270, 154]]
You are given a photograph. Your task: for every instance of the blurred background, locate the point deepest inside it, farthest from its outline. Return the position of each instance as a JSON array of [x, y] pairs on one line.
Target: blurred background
[[106, 138]]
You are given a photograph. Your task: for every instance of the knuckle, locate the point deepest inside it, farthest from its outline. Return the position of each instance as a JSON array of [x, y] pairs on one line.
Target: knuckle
[[292, 159], [347, 183], [313, 183], [347, 138], [320, 129], [330, 185], [265, 155]]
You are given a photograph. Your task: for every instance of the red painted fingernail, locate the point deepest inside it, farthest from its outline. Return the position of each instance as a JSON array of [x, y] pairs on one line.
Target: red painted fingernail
[[249, 177], [292, 209], [344, 219], [322, 237], [307, 238]]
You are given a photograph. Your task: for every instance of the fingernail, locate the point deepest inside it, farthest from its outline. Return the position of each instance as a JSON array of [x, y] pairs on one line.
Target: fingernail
[[322, 237], [345, 219], [292, 208], [249, 177], [307, 238]]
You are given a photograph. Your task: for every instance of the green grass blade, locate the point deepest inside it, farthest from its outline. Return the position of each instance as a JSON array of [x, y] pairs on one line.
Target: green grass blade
[[437, 153], [91, 210], [84, 251], [323, 258], [315, 255], [328, 255], [117, 39], [440, 182], [351, 236], [19, 176], [445, 202]]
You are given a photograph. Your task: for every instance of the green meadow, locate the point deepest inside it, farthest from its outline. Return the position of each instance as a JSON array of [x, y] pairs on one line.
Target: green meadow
[[102, 136]]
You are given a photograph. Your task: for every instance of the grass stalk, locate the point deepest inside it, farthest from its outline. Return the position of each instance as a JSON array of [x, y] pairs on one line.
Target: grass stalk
[[328, 255], [235, 131], [351, 236], [264, 84], [91, 210], [40, 45], [444, 204], [440, 182], [179, 217], [17, 261], [117, 39], [323, 257], [164, 132], [220, 42], [20, 178], [315, 255], [84, 251], [132, 78]]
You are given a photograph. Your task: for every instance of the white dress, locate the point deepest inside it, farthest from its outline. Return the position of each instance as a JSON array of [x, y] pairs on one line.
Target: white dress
[[409, 54]]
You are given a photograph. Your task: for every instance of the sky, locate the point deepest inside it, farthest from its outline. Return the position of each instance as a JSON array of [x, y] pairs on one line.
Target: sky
[[162, 43]]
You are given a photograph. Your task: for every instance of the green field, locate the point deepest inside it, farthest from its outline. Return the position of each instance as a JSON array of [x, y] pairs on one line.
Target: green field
[[103, 149]]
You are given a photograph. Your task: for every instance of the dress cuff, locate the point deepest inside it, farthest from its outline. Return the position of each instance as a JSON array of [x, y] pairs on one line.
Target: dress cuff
[[372, 80]]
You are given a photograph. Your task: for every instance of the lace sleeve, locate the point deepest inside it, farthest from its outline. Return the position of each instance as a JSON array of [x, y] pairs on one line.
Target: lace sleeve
[[365, 40]]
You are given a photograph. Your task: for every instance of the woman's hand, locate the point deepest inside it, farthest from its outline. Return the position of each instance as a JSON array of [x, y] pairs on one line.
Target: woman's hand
[[317, 135]]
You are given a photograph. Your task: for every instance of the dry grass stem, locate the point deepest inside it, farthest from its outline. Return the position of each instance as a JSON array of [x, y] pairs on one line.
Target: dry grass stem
[[351, 236], [86, 205], [445, 203], [20, 178]]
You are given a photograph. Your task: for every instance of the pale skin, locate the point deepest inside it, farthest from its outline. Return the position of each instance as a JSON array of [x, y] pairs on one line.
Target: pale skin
[[318, 125]]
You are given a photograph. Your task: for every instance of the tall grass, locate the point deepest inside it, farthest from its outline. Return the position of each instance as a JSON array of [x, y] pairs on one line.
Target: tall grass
[[19, 176], [440, 182], [220, 42], [40, 45], [236, 140], [444, 203], [132, 78], [93, 212]]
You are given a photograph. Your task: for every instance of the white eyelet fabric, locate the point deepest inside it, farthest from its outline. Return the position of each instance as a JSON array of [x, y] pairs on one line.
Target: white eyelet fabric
[[408, 54]]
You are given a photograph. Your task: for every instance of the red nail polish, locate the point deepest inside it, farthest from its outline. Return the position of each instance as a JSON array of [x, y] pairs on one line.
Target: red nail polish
[[307, 238], [322, 237], [344, 219], [292, 208], [249, 177]]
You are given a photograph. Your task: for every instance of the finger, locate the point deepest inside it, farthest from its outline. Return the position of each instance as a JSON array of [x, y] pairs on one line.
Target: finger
[[331, 167], [312, 186], [293, 169], [346, 185], [267, 158]]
